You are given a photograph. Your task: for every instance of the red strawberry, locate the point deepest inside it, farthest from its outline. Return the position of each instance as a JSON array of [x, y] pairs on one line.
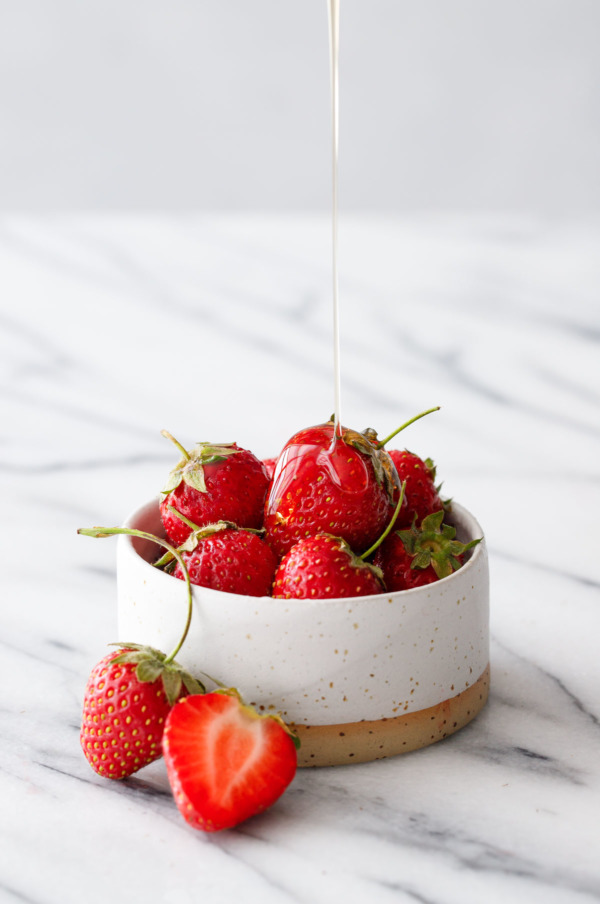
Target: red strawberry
[[324, 567], [345, 486], [419, 556], [225, 558], [421, 492], [213, 483], [225, 762], [125, 707], [269, 464]]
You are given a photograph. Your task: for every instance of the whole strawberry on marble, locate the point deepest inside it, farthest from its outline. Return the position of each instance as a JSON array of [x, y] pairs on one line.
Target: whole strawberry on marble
[[213, 482], [128, 697]]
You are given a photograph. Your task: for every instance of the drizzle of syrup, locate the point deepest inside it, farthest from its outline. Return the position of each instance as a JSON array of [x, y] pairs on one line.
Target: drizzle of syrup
[[320, 451], [327, 483], [334, 35]]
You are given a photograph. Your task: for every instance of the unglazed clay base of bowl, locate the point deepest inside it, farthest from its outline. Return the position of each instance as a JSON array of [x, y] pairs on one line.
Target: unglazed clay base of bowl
[[359, 678]]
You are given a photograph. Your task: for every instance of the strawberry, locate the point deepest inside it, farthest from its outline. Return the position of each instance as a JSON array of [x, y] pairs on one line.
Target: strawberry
[[324, 567], [344, 486], [226, 558], [125, 707], [130, 692], [213, 483], [419, 556], [421, 491], [225, 762]]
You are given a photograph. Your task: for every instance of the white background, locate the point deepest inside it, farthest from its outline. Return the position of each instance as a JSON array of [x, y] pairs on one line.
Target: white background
[[223, 104]]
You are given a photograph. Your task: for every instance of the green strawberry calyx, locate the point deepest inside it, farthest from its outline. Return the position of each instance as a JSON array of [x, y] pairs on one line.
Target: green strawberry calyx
[[167, 561], [434, 544], [355, 561], [190, 467], [153, 664], [383, 466], [368, 443]]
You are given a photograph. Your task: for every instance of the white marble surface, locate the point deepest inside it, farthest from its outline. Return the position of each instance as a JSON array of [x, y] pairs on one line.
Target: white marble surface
[[218, 328]]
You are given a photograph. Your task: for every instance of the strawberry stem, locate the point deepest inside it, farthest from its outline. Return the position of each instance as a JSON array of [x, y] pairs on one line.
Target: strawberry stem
[[101, 532], [417, 417], [378, 542], [183, 451], [183, 518]]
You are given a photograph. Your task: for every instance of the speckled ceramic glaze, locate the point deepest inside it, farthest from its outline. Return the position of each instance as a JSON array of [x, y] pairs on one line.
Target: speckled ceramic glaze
[[360, 678]]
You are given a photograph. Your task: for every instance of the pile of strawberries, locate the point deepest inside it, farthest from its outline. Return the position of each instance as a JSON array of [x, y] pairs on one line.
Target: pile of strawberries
[[334, 516]]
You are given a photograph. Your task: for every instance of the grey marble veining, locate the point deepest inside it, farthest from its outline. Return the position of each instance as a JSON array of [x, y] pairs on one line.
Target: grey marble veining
[[217, 327]]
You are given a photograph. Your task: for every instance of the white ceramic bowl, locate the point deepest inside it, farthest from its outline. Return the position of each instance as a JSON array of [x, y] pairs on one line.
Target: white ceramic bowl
[[359, 678]]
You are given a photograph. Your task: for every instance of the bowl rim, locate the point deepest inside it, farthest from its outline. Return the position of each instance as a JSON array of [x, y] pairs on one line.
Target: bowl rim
[[473, 529]]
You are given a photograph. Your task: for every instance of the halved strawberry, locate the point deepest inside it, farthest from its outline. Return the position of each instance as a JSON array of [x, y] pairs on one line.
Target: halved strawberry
[[225, 762]]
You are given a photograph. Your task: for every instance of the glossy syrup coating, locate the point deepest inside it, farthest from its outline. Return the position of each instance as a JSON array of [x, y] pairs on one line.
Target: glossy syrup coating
[[236, 488], [234, 561], [324, 567], [343, 486]]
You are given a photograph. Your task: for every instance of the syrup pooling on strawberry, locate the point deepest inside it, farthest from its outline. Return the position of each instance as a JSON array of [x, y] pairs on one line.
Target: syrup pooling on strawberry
[[344, 486], [347, 472]]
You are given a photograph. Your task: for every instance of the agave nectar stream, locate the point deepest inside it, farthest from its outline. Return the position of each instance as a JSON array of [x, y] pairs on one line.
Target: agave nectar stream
[[332, 459], [334, 42]]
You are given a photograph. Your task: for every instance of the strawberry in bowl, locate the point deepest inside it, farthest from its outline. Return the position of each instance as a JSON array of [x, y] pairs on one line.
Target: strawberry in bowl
[[213, 482], [340, 484], [361, 666]]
